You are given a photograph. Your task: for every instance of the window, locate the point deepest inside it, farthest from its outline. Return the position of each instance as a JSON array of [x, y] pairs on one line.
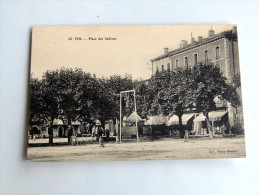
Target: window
[[195, 56], [162, 67], [206, 56], [186, 61], [176, 64], [217, 53], [168, 67]]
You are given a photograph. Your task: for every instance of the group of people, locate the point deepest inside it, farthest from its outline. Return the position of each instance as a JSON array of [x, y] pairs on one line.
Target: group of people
[[223, 128], [97, 131], [100, 134]]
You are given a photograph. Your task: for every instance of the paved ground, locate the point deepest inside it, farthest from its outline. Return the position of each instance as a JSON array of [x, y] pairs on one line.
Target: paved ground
[[164, 149]]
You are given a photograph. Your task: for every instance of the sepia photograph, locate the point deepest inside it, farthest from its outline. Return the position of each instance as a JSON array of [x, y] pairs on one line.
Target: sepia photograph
[[135, 92]]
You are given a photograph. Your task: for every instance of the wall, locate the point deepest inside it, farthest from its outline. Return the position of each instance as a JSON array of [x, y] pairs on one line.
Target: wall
[[210, 47], [228, 62], [236, 57], [128, 131]]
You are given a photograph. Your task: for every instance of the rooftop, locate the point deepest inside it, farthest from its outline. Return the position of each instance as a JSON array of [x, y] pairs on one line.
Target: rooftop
[[195, 44]]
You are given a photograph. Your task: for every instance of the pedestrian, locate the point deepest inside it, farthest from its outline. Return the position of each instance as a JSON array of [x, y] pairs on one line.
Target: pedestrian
[[74, 140], [223, 129], [186, 136], [93, 130], [107, 133], [100, 133], [69, 134]]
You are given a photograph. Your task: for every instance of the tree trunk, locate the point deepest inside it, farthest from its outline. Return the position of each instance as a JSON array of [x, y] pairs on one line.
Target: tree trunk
[[152, 133], [181, 131], [31, 133], [69, 131], [209, 128], [69, 121], [117, 131], [102, 120], [50, 131]]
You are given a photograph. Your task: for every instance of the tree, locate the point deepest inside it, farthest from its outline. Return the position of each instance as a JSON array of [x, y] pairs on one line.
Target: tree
[[36, 103], [156, 96], [177, 97], [104, 101], [111, 88], [50, 99], [70, 92], [190, 89], [208, 83], [88, 90], [144, 98], [236, 81], [67, 94], [165, 93]]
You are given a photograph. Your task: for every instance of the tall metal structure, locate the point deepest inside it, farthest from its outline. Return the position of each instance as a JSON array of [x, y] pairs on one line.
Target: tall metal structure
[[135, 108]]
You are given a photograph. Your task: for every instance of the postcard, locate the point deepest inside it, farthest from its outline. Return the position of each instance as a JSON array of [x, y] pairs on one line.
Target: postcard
[[135, 92]]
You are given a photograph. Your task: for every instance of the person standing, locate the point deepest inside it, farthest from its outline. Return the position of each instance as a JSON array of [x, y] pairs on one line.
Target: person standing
[[93, 130], [100, 133], [186, 136], [69, 134], [107, 134], [223, 129]]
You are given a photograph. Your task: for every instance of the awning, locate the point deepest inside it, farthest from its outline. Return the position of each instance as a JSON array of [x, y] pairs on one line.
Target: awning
[[97, 122], [216, 115], [58, 122], [186, 118], [133, 117], [199, 118], [213, 116], [75, 123], [156, 120], [174, 120]]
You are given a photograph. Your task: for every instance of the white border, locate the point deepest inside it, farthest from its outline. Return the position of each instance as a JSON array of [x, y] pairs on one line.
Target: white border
[[222, 176]]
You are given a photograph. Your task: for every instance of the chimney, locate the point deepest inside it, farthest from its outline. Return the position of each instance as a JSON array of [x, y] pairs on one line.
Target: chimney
[[234, 30], [211, 32], [193, 40], [199, 38], [183, 43], [165, 50]]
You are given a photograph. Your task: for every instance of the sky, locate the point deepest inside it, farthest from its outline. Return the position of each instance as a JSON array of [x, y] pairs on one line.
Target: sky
[[130, 53]]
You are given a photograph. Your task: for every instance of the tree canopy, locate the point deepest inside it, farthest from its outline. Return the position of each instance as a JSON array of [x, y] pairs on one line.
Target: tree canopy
[[72, 94]]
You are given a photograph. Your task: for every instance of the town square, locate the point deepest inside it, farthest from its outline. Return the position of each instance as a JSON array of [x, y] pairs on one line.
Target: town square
[[187, 104], [163, 149]]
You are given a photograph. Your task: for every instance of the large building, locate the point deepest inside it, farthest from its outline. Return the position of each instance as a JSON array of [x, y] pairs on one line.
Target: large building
[[220, 49]]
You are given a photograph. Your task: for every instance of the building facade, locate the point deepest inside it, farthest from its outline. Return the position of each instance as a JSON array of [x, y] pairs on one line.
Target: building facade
[[221, 49]]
